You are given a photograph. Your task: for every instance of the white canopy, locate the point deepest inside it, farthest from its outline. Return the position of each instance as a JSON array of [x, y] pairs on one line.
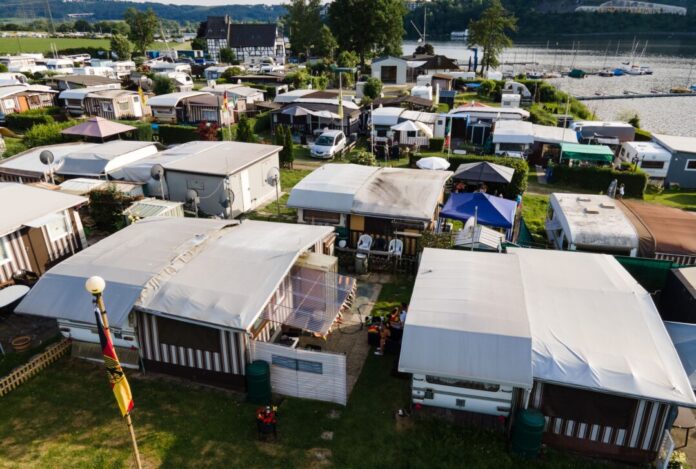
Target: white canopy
[[511, 131], [215, 272], [405, 126], [590, 324]]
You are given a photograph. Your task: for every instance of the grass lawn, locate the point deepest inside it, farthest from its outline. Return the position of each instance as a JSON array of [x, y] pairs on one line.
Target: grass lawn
[[534, 213], [67, 417], [684, 199], [13, 146], [12, 360], [270, 212], [11, 45]]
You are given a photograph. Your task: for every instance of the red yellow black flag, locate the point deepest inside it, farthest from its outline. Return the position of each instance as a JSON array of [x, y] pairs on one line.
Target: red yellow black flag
[[117, 378]]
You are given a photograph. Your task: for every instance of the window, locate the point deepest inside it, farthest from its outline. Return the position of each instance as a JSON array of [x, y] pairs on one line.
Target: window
[[460, 383], [123, 106], [297, 365], [690, 165], [652, 164], [5, 255], [317, 216], [411, 133], [209, 115], [58, 228]]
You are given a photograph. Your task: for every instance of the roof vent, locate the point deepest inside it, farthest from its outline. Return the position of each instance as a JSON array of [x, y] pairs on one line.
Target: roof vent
[[583, 199], [607, 205], [591, 210]]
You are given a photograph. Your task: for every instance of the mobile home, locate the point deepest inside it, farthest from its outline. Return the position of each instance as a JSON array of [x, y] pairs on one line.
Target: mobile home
[[649, 156]]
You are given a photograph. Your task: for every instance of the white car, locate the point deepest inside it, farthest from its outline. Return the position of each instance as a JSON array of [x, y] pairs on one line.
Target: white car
[[328, 145]]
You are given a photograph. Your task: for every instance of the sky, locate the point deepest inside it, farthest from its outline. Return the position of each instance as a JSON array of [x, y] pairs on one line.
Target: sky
[[215, 2]]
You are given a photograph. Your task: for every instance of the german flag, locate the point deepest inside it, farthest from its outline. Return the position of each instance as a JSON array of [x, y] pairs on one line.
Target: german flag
[[117, 378]]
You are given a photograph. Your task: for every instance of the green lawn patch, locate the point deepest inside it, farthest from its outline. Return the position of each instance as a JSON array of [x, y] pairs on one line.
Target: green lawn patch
[[534, 208], [684, 199]]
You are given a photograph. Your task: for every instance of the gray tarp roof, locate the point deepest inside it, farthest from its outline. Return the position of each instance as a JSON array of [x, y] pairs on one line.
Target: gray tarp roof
[[220, 158], [22, 204], [209, 271], [371, 191]]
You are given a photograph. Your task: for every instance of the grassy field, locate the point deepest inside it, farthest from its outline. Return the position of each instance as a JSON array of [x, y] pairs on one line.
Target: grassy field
[[66, 417], [680, 199], [12, 45], [534, 213]]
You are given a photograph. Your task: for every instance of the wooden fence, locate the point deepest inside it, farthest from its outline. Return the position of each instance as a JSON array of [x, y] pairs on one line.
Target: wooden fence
[[37, 363]]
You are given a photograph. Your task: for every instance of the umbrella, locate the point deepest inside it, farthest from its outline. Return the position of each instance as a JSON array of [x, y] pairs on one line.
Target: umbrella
[[484, 172], [98, 127], [433, 162]]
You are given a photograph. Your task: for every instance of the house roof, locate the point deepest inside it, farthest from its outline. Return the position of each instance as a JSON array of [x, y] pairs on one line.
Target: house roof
[[593, 221], [588, 323], [151, 207], [490, 112], [7, 91], [218, 158], [84, 80], [397, 101], [253, 34], [217, 27], [380, 192], [432, 62], [29, 204], [172, 99], [550, 134], [211, 272], [676, 143]]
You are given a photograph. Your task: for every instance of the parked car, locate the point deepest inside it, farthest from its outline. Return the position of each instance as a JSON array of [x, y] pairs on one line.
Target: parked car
[[329, 144]]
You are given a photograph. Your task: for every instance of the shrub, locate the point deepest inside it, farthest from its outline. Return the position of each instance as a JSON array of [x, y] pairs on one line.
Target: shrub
[[231, 72], [3, 68], [162, 85], [143, 131], [437, 144], [26, 120], [487, 88], [208, 131], [262, 122], [643, 135], [170, 133], [106, 208], [46, 134], [597, 179], [372, 88], [443, 108], [245, 131], [539, 115], [516, 187], [319, 82], [362, 157]]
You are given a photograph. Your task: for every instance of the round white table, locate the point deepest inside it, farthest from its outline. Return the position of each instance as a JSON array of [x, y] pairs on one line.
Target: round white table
[[12, 294]]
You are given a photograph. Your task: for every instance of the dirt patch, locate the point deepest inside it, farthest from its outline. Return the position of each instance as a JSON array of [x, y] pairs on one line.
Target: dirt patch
[[319, 457], [269, 448]]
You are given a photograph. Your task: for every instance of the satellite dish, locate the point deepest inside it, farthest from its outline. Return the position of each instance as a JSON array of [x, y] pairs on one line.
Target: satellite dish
[[192, 197], [469, 225], [46, 157], [273, 177], [157, 171]]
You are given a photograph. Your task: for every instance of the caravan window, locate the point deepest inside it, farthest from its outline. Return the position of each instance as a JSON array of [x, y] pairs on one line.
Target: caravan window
[[317, 216], [4, 252], [459, 383], [690, 165], [652, 164]]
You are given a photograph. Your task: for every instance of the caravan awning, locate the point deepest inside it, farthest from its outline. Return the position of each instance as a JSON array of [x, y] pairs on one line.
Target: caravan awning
[[598, 153]]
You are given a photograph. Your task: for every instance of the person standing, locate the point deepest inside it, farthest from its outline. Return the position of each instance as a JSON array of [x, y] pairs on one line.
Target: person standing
[[622, 191], [384, 334]]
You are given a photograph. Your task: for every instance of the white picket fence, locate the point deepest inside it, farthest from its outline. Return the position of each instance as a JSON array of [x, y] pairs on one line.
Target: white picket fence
[[303, 373]]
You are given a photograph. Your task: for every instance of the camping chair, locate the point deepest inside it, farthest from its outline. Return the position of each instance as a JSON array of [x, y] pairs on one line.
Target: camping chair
[[364, 242], [396, 247]]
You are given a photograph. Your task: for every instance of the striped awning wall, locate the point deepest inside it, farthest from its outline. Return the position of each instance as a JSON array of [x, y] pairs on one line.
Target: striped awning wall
[[317, 299]]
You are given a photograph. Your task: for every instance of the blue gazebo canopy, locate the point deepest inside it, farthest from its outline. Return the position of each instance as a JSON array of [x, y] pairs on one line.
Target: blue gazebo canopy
[[492, 211]]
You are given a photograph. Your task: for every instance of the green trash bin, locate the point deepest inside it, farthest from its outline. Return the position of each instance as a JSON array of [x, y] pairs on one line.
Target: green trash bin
[[527, 432], [258, 379]]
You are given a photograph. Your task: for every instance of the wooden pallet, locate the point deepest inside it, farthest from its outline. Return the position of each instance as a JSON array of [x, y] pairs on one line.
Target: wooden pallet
[[35, 364]]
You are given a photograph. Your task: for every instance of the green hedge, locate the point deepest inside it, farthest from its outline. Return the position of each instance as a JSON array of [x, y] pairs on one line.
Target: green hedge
[[517, 186], [170, 133], [437, 144], [22, 121], [262, 122], [643, 135], [597, 179], [143, 132]]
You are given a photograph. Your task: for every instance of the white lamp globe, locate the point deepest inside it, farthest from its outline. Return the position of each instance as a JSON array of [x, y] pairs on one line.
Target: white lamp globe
[[95, 285]]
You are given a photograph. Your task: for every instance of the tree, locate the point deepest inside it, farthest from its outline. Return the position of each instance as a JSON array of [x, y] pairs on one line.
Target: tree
[[245, 133], [490, 33], [425, 49], [373, 88], [229, 74], [143, 25], [326, 44], [303, 20], [83, 26], [199, 43], [368, 26], [3, 68], [162, 85], [347, 58], [227, 55], [121, 46], [283, 137]]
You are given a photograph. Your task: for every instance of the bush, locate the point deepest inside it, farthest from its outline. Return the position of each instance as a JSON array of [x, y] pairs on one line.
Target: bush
[[437, 144], [231, 72], [106, 208], [362, 157], [443, 108], [171, 133], [21, 121], [245, 130], [143, 131], [643, 135], [162, 85], [487, 88], [46, 134], [597, 179], [3, 68], [372, 88], [517, 186], [262, 122]]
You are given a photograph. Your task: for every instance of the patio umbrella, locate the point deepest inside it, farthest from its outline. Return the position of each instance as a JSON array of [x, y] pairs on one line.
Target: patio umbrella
[[484, 172], [97, 127], [433, 163]]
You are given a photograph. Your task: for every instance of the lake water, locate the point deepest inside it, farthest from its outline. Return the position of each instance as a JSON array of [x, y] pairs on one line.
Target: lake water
[[672, 62]]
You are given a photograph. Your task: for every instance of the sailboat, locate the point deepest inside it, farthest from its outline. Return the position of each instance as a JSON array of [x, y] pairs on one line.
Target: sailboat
[[606, 72]]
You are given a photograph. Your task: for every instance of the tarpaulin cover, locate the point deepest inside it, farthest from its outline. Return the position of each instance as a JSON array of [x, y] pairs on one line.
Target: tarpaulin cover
[[574, 151], [490, 210], [662, 229]]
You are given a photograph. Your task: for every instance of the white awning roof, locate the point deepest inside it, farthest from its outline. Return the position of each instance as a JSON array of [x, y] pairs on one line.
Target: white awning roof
[[215, 272], [172, 99], [550, 134], [591, 325], [510, 131]]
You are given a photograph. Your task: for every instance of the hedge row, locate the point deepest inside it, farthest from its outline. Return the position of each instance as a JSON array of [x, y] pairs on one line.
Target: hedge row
[[597, 179], [510, 191], [171, 133], [22, 121]]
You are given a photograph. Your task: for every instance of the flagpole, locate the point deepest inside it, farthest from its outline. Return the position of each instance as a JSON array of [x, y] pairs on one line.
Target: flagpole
[[96, 285]]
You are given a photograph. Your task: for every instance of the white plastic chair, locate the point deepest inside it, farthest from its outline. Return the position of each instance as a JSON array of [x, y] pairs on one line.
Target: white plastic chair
[[396, 247], [364, 242]]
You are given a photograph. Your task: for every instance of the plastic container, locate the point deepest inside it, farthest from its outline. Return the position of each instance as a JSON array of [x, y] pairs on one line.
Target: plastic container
[[258, 378], [527, 432]]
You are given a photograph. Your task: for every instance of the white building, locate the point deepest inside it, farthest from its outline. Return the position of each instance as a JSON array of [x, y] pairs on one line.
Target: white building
[[650, 156]]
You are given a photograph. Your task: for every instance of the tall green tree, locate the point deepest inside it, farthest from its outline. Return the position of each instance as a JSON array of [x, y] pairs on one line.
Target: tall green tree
[[143, 25], [303, 20], [491, 33], [121, 46], [162, 85], [227, 55], [245, 133], [368, 27], [327, 44]]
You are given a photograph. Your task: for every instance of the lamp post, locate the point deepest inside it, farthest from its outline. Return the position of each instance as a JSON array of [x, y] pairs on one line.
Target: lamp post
[[96, 285]]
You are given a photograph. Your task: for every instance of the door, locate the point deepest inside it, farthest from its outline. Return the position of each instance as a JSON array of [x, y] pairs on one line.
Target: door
[[389, 74], [246, 191], [23, 103], [37, 250]]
